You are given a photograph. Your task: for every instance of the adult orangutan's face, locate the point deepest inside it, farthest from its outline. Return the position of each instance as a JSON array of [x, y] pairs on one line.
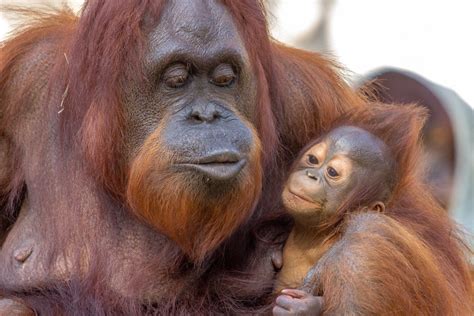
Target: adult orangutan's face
[[191, 142]]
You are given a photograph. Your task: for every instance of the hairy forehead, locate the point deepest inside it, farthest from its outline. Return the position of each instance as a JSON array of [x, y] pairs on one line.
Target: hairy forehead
[[358, 143], [200, 27]]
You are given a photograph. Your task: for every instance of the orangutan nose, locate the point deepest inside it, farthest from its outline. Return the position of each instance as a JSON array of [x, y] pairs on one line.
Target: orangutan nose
[[204, 113], [312, 174]]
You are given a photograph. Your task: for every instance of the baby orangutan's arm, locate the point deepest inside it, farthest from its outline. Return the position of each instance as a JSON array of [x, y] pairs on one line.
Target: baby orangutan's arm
[[380, 267]]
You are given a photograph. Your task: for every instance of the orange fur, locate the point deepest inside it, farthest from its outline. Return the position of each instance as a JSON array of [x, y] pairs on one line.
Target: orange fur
[[382, 268], [196, 219], [411, 260], [300, 95]]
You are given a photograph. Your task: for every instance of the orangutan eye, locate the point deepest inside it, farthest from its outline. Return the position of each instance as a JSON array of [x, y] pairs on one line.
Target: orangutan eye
[[176, 75], [332, 173], [313, 160], [223, 75]]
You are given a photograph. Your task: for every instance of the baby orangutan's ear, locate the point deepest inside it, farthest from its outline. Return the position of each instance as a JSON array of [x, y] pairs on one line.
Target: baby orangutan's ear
[[377, 207]]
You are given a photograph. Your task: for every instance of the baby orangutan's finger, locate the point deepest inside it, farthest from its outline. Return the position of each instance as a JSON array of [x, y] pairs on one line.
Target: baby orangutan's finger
[[280, 311], [285, 301], [304, 304], [295, 293]]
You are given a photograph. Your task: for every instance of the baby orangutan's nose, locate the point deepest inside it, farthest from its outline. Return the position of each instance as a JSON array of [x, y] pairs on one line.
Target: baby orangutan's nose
[[312, 174]]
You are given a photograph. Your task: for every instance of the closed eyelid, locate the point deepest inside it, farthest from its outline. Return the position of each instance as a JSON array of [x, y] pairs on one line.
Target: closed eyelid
[[223, 68]]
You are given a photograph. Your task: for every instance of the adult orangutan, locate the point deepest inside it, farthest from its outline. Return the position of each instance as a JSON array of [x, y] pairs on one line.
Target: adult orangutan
[[145, 145]]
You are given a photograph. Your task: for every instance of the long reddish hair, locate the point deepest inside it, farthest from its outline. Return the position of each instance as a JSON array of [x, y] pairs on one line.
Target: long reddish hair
[[300, 95], [410, 203]]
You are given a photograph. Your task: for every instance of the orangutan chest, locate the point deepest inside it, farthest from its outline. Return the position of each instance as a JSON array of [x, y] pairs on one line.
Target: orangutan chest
[[297, 261]]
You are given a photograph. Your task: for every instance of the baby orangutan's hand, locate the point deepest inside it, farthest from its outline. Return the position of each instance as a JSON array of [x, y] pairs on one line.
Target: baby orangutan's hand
[[297, 302]]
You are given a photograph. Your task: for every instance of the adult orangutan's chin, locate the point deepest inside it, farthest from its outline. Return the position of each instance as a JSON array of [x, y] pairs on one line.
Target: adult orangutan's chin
[[194, 210]]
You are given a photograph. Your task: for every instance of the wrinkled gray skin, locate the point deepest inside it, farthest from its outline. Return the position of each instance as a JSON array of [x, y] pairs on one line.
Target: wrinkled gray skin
[[201, 33], [202, 81]]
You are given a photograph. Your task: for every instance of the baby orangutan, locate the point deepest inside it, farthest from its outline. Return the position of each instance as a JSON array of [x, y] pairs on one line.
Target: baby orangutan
[[337, 193], [325, 178]]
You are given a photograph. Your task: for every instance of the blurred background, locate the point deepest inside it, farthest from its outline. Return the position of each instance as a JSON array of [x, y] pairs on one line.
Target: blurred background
[[416, 51]]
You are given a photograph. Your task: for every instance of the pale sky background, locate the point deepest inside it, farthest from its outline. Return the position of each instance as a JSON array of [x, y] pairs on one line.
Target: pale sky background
[[434, 38]]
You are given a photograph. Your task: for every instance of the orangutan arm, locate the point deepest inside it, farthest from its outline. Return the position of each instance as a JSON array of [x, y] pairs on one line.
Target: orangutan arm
[[380, 267], [5, 176]]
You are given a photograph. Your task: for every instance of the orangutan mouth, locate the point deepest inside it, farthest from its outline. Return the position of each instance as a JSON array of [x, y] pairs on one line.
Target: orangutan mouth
[[306, 200], [219, 166]]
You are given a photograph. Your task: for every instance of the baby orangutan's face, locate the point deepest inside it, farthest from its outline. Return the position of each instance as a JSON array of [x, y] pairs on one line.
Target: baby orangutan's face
[[327, 173]]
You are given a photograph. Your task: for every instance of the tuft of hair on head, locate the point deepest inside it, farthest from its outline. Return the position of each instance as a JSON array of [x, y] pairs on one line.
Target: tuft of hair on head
[[399, 128], [384, 121]]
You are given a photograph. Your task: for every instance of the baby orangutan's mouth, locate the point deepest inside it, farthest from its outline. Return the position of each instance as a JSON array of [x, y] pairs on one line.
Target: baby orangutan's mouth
[[306, 200]]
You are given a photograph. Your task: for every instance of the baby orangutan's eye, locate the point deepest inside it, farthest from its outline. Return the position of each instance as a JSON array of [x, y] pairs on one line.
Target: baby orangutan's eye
[[332, 172], [313, 160]]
